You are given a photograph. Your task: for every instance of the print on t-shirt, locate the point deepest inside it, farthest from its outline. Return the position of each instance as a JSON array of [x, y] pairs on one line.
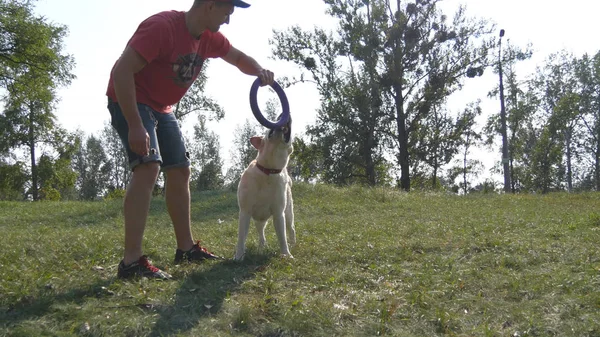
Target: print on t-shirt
[[186, 68]]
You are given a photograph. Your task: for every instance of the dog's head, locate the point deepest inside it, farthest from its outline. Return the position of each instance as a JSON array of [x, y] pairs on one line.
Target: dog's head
[[275, 146]]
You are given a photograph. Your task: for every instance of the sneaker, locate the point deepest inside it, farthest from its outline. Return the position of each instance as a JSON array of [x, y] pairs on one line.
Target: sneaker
[[196, 253], [143, 268]]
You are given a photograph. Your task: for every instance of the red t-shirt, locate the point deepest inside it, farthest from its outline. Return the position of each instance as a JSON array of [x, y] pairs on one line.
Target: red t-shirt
[[174, 58]]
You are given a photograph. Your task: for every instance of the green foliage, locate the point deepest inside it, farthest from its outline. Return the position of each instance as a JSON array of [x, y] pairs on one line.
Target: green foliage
[[486, 187], [115, 194], [93, 169], [587, 70], [425, 182], [118, 161], [437, 141], [206, 158], [547, 172], [32, 68], [56, 175], [242, 152], [520, 107], [30, 44], [13, 180], [547, 127], [379, 80], [468, 137], [351, 108], [305, 161], [49, 194]]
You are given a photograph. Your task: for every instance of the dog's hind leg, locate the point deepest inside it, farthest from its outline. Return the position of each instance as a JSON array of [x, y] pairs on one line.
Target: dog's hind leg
[[289, 221], [260, 228], [279, 224], [243, 227]]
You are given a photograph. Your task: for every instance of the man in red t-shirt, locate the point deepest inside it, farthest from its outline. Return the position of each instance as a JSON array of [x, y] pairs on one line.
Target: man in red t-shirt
[[161, 61]]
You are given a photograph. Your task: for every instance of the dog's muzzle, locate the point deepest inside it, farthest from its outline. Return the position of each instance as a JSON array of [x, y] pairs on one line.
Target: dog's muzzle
[[286, 130]]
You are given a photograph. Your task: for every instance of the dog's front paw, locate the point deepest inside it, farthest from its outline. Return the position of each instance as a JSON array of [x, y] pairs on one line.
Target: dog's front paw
[[287, 256], [238, 257]]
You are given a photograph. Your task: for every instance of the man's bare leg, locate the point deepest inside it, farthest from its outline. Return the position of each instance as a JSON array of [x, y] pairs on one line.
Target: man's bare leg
[[136, 206], [177, 193]]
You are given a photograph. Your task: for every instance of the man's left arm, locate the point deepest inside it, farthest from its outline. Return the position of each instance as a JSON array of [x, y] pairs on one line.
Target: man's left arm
[[249, 66]]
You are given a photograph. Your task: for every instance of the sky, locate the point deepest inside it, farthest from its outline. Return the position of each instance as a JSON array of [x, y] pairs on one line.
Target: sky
[[99, 31]]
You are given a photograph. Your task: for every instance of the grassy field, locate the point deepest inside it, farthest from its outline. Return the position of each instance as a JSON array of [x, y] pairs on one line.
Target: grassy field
[[368, 262]]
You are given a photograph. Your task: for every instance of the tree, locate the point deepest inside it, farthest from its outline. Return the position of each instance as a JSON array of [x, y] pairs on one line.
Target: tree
[[350, 119], [588, 74], [13, 180], [558, 85], [401, 61], [520, 107], [566, 116], [426, 58], [120, 173], [242, 152], [56, 176], [437, 141], [547, 171], [93, 168], [306, 161], [469, 137], [32, 67], [206, 158], [30, 43]]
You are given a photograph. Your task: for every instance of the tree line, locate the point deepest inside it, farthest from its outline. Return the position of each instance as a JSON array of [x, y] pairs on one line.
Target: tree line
[[384, 78]]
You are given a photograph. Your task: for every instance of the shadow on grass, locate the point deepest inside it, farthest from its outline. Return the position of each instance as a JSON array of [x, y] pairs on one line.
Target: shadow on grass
[[30, 307], [202, 293]]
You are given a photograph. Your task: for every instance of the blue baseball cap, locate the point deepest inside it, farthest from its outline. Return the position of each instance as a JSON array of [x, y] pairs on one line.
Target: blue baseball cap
[[236, 3]]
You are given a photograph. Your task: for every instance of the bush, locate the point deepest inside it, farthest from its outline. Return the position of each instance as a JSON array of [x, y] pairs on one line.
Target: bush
[[49, 194], [115, 194]]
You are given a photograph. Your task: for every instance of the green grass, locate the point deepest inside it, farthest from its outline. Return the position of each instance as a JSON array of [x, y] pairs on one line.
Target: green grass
[[368, 262]]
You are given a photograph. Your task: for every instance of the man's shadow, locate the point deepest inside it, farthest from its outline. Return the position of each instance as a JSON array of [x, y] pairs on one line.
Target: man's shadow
[[202, 293], [41, 304]]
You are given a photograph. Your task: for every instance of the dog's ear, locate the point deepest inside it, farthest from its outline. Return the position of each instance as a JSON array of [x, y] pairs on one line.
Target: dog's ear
[[256, 142]]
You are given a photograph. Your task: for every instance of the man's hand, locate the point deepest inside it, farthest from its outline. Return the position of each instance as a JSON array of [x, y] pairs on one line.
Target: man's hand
[[266, 77], [139, 140]]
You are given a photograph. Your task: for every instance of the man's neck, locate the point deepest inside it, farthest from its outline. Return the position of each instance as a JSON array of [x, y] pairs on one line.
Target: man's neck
[[195, 29]]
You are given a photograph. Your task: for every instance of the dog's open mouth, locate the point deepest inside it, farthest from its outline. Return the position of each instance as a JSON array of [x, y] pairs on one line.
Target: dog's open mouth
[[286, 130]]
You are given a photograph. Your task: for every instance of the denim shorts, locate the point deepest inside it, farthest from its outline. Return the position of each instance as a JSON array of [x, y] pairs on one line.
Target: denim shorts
[[167, 145]]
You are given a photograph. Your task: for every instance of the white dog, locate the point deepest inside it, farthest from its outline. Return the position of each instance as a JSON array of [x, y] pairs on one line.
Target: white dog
[[265, 190]]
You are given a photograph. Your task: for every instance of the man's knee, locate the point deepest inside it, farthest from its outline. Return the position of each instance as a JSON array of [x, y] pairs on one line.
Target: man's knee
[[178, 174], [147, 172]]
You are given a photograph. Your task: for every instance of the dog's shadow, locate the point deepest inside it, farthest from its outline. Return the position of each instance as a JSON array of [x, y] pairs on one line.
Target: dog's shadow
[[202, 293]]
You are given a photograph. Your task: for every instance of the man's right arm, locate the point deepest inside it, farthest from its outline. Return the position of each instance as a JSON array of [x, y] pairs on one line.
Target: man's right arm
[[128, 64]]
